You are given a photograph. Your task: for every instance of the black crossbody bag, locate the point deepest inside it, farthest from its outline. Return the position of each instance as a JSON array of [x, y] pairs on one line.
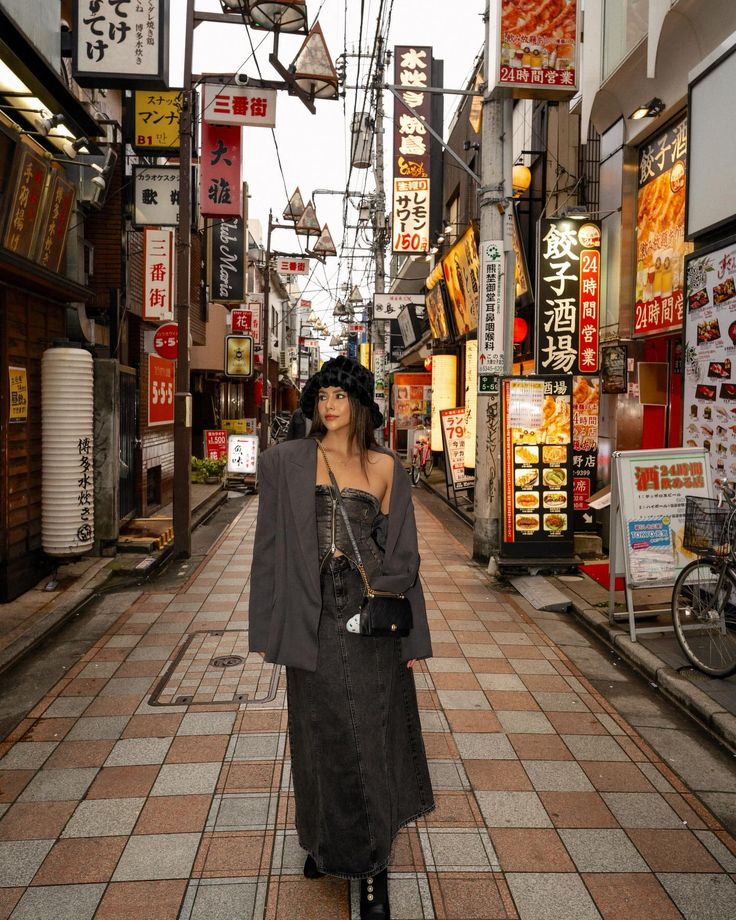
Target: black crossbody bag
[[382, 613]]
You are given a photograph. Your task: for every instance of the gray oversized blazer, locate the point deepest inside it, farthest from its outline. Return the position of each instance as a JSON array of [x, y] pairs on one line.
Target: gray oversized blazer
[[285, 598]]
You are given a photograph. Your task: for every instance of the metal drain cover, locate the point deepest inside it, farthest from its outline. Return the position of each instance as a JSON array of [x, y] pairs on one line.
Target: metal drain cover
[[692, 674], [227, 661]]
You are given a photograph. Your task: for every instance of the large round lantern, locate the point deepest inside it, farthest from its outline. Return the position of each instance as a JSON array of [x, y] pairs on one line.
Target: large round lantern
[[520, 330], [67, 462]]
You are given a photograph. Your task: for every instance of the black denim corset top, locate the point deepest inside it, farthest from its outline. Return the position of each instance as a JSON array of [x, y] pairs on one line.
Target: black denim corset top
[[364, 513]]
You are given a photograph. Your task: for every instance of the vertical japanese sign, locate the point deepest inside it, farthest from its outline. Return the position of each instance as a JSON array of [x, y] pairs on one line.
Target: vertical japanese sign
[[660, 232], [160, 391], [121, 43], [437, 310], [220, 166], [158, 274], [227, 259], [157, 119], [85, 495], [155, 196], [55, 223], [215, 443], [536, 47], [568, 296], [242, 454], [410, 224], [585, 410], [490, 312], [460, 268], [29, 179], [18, 380], [239, 105]]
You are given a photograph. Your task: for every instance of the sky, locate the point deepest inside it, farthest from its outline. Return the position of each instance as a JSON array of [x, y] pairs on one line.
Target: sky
[[314, 149]]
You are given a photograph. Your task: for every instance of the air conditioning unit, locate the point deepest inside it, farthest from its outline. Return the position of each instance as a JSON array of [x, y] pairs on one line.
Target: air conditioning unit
[[283, 361]]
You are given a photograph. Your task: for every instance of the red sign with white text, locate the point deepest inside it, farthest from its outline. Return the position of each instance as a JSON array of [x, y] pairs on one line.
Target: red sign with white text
[[220, 171], [160, 391], [239, 105], [215, 444], [590, 274], [158, 273], [166, 341], [242, 320]]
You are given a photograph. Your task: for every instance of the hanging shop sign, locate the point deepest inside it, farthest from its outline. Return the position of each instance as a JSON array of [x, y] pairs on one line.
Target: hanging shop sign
[[585, 412], [411, 154], [453, 442], [251, 316], [614, 369], [710, 357], [288, 266], [460, 268], [568, 296], [215, 443], [159, 268], [24, 211], [157, 120], [660, 232], [54, 222], [227, 258], [535, 49], [155, 196], [220, 171], [238, 355], [388, 306], [522, 282], [120, 44], [242, 454], [436, 306], [537, 466], [490, 312], [166, 341], [409, 325], [160, 391], [18, 389], [239, 105]]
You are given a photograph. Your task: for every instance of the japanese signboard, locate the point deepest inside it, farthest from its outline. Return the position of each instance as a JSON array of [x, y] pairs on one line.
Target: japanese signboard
[[290, 266], [490, 313], [220, 167], [215, 444], [24, 211], [537, 466], [156, 119], [460, 268], [18, 380], [409, 325], [453, 439], [159, 268], [650, 488], [85, 491], [535, 47], [660, 232], [155, 196], [121, 43], [238, 355], [388, 306], [585, 410], [242, 454], [471, 400], [568, 298], [227, 259], [166, 341], [54, 223], [614, 370], [437, 310], [160, 391], [410, 225], [710, 349], [239, 105]]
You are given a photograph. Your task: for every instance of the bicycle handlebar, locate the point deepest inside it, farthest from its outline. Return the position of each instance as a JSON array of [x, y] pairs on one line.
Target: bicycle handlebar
[[726, 491]]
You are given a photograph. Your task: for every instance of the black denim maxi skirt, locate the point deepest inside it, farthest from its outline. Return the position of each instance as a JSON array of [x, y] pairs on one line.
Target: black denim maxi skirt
[[357, 756]]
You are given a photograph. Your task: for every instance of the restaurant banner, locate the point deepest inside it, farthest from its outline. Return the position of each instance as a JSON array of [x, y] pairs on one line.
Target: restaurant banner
[[159, 269], [534, 49], [161, 381], [411, 154], [233, 104], [157, 120], [460, 268], [614, 369], [24, 211], [568, 296], [710, 357], [227, 257], [490, 318], [215, 444], [437, 311], [660, 232], [453, 440], [585, 412], [155, 196], [220, 180], [538, 499], [120, 44], [54, 223]]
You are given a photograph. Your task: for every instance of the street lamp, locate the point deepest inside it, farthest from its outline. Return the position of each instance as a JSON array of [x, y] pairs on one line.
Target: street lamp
[[313, 69], [272, 15]]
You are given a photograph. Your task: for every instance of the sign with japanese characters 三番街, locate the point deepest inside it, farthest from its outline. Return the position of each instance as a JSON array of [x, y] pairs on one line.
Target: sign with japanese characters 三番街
[[568, 296], [220, 167], [158, 273], [239, 105]]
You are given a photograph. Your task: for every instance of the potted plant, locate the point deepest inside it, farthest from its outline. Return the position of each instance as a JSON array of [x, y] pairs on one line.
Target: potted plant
[[207, 471]]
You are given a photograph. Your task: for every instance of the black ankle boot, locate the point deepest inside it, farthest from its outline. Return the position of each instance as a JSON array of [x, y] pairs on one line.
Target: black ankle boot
[[374, 897], [311, 870]]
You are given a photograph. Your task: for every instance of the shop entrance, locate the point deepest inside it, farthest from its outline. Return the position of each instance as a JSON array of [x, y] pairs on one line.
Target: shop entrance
[[660, 392]]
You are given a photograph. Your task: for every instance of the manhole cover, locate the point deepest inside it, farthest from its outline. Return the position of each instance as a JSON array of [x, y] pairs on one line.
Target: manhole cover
[[693, 675], [227, 661]]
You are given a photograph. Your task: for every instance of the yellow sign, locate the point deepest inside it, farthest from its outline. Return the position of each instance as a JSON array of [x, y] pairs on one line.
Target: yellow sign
[[18, 394], [157, 118], [238, 355], [365, 354], [460, 267], [236, 425]]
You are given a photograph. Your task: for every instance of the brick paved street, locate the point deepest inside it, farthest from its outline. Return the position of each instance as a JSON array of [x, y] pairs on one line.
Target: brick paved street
[[151, 783]]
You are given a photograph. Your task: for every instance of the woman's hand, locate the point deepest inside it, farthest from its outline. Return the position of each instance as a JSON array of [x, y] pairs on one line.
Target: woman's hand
[[411, 662]]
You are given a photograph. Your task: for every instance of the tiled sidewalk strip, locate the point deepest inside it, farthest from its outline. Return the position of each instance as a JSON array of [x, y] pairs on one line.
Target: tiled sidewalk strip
[[549, 804]]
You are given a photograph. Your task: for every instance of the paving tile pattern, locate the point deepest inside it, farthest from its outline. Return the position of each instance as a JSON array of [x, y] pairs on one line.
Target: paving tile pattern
[[152, 783]]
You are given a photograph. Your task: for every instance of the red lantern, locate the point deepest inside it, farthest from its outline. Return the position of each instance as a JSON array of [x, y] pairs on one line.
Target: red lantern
[[428, 363], [520, 330], [258, 390]]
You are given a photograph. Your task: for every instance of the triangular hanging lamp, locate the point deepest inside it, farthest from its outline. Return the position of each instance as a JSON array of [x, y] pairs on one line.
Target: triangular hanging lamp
[[325, 245], [308, 223], [313, 69], [355, 295], [295, 207]]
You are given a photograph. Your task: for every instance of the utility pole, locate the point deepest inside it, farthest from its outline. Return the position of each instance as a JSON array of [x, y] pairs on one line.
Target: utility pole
[[266, 330], [183, 399], [380, 334]]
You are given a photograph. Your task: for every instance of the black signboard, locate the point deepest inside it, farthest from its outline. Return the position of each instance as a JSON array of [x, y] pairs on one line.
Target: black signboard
[[614, 369], [227, 259]]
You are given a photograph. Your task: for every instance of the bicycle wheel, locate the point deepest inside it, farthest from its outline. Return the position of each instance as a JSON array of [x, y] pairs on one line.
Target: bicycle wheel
[[428, 465], [415, 469], [703, 617]]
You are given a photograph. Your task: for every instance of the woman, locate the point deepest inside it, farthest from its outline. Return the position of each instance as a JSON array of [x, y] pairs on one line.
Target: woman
[[358, 761]]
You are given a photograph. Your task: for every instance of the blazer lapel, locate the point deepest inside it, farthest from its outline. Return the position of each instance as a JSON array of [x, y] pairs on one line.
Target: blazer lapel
[[300, 484]]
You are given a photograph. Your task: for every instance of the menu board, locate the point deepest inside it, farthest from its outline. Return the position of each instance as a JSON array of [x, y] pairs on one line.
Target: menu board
[[614, 369], [709, 419], [453, 437], [242, 454], [537, 467]]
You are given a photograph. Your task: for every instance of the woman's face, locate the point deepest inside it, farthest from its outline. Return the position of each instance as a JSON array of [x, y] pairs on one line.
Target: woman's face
[[333, 405]]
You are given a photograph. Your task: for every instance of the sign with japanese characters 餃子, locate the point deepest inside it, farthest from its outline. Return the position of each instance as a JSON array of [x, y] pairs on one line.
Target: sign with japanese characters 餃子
[[220, 167], [157, 119], [411, 155], [568, 296], [155, 196], [158, 274], [239, 105], [490, 309], [120, 43]]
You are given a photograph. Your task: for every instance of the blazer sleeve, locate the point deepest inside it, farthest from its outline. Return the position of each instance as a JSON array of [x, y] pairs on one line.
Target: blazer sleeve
[[418, 643], [262, 575]]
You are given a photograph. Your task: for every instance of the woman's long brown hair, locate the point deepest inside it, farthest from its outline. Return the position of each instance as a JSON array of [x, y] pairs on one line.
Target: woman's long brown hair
[[361, 427]]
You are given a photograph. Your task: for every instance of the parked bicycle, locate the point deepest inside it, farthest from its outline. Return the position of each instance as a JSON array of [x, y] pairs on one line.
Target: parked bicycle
[[421, 455], [704, 596], [279, 427]]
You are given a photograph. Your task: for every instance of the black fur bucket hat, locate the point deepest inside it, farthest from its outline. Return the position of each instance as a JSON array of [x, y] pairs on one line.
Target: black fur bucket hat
[[347, 374]]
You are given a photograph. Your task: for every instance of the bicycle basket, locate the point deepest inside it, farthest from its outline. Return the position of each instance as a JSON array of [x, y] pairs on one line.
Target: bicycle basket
[[706, 526]]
